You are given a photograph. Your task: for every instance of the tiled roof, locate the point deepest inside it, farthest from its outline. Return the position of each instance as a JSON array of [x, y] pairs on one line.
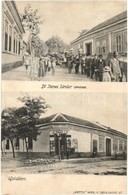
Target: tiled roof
[[106, 23], [63, 118]]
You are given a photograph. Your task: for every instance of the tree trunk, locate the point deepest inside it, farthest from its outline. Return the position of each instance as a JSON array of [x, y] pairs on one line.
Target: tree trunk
[[11, 140], [26, 147]]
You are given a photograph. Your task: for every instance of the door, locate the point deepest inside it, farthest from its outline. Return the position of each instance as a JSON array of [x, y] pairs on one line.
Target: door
[[88, 49], [108, 147], [94, 147]]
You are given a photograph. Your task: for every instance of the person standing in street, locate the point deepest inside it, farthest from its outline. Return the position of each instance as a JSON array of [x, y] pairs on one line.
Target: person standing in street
[[115, 67], [101, 65]]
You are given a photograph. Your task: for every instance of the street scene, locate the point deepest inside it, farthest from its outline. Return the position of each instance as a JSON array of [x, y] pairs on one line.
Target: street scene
[[40, 135], [33, 49], [97, 166]]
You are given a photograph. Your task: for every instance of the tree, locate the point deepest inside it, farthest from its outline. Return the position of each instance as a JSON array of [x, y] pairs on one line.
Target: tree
[[9, 126], [28, 116], [40, 46], [56, 45], [31, 21]]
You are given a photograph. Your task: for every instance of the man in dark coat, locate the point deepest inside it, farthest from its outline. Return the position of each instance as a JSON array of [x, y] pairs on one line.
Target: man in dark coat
[[101, 65]]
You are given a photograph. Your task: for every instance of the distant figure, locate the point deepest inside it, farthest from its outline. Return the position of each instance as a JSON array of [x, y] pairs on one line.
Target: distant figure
[[26, 62]]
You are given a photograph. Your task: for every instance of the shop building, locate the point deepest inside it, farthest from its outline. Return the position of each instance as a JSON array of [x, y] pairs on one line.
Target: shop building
[[60, 133]]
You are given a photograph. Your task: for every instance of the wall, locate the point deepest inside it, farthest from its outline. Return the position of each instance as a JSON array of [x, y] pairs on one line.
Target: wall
[[42, 143], [105, 32], [83, 140], [10, 58]]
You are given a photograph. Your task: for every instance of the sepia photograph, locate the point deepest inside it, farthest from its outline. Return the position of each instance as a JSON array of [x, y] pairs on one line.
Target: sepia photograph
[[64, 41], [82, 133]]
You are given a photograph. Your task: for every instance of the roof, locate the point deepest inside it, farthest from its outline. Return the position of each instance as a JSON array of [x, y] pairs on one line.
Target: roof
[[12, 6], [66, 119], [104, 24]]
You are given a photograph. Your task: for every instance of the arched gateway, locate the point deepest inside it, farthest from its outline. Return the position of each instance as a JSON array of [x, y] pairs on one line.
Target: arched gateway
[[65, 135]]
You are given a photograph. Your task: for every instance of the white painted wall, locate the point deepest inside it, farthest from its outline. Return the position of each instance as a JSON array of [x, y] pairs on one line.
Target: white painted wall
[[83, 138]]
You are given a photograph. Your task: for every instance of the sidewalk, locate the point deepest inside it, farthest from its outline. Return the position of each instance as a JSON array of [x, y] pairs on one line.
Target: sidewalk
[[61, 74]]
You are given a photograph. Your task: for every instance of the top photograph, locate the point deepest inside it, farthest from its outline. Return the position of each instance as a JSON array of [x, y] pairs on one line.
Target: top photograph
[[64, 41]]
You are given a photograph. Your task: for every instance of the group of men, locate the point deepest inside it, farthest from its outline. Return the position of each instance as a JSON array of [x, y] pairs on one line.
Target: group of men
[[96, 67]]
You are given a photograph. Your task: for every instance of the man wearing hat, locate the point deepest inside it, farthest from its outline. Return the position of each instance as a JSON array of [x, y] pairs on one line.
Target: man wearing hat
[[101, 65], [115, 67]]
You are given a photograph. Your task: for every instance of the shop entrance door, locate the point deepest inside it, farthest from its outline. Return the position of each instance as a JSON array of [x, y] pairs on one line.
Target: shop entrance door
[[108, 147], [88, 49]]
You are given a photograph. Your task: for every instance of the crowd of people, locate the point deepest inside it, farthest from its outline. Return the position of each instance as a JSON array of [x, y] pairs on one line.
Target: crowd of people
[[93, 67], [97, 68], [39, 67]]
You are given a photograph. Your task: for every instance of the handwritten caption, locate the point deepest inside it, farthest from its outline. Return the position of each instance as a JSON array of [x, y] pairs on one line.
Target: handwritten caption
[[49, 86], [12, 178]]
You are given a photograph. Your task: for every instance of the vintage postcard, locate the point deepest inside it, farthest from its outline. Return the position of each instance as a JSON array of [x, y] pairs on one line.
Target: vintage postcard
[[64, 97]]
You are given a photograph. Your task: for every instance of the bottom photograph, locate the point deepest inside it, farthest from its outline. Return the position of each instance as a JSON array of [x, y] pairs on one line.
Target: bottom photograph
[[64, 133]]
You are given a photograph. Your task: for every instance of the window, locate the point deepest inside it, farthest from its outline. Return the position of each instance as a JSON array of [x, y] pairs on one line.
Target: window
[[16, 45], [52, 144], [125, 146], [30, 143], [10, 38], [120, 145], [14, 42], [115, 145], [74, 144], [103, 46], [19, 47], [98, 47], [17, 144], [7, 144], [101, 143], [125, 42], [6, 35], [118, 43]]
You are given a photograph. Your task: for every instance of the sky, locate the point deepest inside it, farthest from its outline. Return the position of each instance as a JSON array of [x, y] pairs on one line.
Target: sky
[[105, 108], [67, 18]]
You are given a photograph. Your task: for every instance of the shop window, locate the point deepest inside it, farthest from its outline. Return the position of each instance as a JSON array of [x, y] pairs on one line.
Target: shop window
[[118, 43], [6, 35], [52, 144], [74, 144], [30, 143], [17, 144], [10, 38], [7, 144]]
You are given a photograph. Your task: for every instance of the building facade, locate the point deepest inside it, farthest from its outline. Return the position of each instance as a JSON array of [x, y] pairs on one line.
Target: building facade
[[106, 37], [12, 34], [61, 133]]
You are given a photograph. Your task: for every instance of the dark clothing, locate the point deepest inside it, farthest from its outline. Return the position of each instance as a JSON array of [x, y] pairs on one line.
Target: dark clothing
[[101, 65], [94, 68]]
